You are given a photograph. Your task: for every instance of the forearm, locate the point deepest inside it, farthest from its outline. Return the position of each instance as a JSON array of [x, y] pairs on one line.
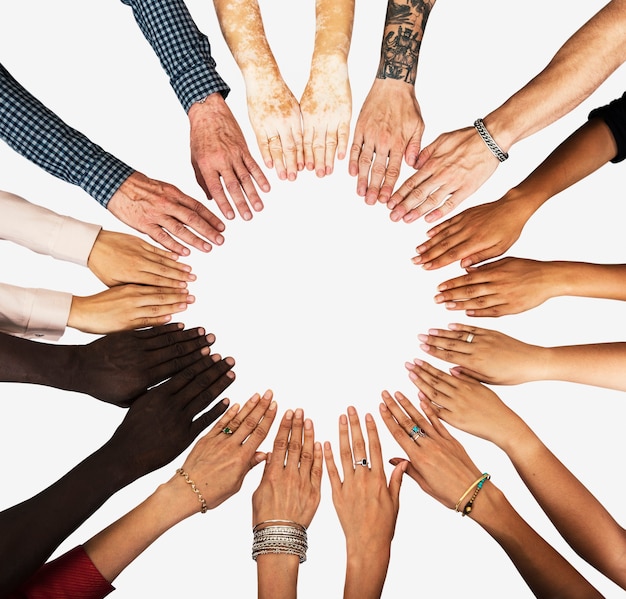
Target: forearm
[[48, 518], [543, 569], [114, 548], [277, 576], [365, 573], [585, 151], [577, 69], [242, 27], [405, 25], [333, 32], [598, 364], [580, 518], [582, 279]]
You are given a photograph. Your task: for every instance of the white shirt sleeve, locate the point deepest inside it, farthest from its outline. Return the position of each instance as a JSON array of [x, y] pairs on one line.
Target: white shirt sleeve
[[33, 313], [44, 231]]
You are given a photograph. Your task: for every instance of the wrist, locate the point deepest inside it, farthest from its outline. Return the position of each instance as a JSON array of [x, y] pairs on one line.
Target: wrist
[[499, 130], [522, 203], [76, 318], [177, 499]]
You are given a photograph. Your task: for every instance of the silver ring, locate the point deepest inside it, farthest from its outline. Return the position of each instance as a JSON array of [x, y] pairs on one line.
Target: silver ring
[[470, 338], [416, 432], [362, 462]]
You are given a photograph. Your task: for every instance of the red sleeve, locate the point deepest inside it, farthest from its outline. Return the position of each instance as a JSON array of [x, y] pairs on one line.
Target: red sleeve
[[71, 576]]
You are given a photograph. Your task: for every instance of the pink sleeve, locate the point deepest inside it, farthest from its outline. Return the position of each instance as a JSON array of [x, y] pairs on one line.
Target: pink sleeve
[[44, 231], [28, 313], [71, 576]]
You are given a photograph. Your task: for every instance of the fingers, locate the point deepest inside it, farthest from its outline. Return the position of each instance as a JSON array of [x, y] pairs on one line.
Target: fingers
[[345, 451], [279, 451], [331, 468], [359, 452], [307, 453], [375, 450], [251, 425], [285, 149], [435, 386], [294, 446], [452, 346]]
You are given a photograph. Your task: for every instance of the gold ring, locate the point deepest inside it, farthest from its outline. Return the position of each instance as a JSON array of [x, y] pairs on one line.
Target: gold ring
[[271, 139]]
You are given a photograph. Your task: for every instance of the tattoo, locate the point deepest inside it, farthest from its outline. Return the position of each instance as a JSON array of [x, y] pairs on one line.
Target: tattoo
[[404, 29]]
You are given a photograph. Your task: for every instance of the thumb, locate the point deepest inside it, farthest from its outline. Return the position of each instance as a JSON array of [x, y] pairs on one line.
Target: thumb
[[395, 481]]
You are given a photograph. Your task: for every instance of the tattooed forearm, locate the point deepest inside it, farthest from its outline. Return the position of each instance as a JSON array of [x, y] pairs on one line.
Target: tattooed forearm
[[404, 29]]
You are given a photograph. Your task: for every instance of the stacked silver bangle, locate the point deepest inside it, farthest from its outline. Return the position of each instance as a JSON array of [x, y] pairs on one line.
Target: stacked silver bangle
[[489, 141], [285, 538]]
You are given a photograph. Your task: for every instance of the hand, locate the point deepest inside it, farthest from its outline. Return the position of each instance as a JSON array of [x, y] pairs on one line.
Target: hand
[[164, 421], [390, 126], [490, 357], [326, 107], [506, 286], [290, 487], [118, 367], [463, 402], [438, 462], [117, 258], [450, 169], [219, 462], [275, 117], [477, 234], [367, 507], [221, 159], [126, 307], [163, 212]]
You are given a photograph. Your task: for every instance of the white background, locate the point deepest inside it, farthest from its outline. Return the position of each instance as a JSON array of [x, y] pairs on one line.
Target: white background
[[316, 297]]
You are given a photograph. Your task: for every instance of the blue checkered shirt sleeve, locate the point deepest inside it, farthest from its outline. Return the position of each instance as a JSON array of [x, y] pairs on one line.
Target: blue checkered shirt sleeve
[[184, 52], [38, 134]]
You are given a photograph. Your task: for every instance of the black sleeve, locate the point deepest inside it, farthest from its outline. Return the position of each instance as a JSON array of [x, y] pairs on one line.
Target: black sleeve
[[614, 115]]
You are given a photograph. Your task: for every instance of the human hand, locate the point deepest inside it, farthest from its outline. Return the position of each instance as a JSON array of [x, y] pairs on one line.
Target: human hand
[[326, 106], [390, 126], [449, 170], [490, 356], [126, 307], [463, 402], [438, 462], [290, 487], [506, 286], [164, 421], [117, 258], [366, 505], [219, 461], [163, 212], [477, 234], [221, 158], [118, 367], [275, 117]]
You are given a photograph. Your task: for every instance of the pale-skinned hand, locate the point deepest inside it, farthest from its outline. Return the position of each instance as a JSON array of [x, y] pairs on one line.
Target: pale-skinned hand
[[477, 234], [117, 258], [506, 286], [326, 107], [463, 402], [275, 117], [491, 357], [219, 462], [126, 307], [221, 159], [163, 212], [449, 170], [389, 127], [290, 487], [366, 505], [438, 462]]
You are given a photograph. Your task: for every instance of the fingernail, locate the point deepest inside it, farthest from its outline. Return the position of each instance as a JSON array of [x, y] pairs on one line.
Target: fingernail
[[434, 332], [299, 413], [219, 240], [427, 266], [268, 394], [408, 365], [442, 287], [247, 216], [413, 376], [255, 398], [272, 406], [425, 347], [450, 305], [231, 375], [416, 260], [343, 419], [439, 298], [230, 215], [230, 361], [289, 414], [423, 338], [210, 338], [308, 424]]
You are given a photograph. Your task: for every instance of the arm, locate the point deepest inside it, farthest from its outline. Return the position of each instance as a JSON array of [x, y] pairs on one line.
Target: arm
[[218, 148], [147, 205], [274, 111], [326, 103], [442, 468], [390, 123], [459, 162], [580, 518], [488, 230], [493, 289], [497, 359], [366, 505], [290, 492], [158, 426]]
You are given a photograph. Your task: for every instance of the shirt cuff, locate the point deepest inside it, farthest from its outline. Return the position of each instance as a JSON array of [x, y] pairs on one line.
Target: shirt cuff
[[614, 115], [74, 241], [197, 84], [104, 177], [71, 576]]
